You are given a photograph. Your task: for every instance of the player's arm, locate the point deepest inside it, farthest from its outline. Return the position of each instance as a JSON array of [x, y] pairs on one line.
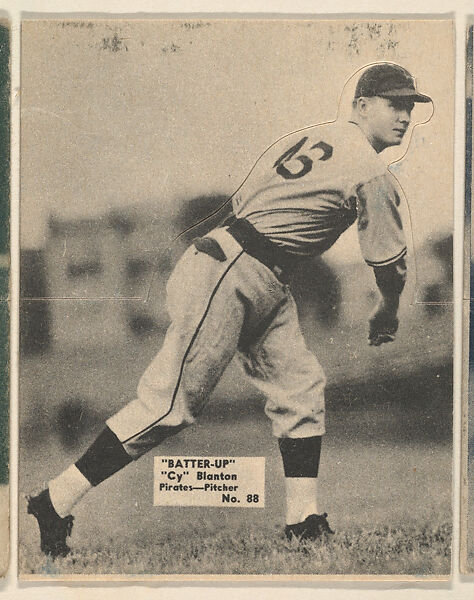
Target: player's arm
[[383, 322], [383, 246]]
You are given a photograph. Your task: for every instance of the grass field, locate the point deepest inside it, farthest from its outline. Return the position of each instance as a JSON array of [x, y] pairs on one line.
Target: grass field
[[411, 551], [390, 509], [385, 482]]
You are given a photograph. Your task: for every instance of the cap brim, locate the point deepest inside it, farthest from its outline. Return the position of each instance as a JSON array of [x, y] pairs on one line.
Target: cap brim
[[406, 93]]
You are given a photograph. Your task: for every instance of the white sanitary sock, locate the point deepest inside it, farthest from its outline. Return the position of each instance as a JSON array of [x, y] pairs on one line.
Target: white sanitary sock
[[301, 498], [67, 489]]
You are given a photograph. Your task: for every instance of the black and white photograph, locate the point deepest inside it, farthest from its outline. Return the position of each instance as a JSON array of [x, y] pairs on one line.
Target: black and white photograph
[[236, 299]]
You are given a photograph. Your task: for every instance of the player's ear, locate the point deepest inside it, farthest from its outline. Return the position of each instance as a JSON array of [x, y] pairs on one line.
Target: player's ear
[[361, 106]]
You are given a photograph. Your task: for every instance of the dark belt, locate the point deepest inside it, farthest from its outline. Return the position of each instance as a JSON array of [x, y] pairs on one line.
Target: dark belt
[[260, 247]]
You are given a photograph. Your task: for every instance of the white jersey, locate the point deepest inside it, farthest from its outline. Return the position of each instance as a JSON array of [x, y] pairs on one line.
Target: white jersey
[[310, 186]]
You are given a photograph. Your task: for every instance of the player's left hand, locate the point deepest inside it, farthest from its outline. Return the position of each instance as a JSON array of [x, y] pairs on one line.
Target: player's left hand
[[383, 325]]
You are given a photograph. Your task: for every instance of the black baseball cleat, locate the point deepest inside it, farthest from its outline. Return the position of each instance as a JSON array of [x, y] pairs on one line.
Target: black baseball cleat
[[53, 529], [313, 527]]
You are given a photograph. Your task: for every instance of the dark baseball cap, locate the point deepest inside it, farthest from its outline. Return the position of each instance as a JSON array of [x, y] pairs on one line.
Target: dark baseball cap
[[388, 81]]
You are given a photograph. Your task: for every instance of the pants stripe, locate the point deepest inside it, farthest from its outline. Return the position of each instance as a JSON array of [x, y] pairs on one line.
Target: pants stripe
[[188, 349]]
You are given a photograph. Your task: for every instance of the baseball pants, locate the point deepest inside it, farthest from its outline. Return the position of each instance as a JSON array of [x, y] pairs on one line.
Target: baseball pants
[[220, 309]]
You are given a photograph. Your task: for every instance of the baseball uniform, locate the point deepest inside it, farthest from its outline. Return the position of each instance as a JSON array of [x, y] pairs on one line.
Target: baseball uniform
[[227, 296]]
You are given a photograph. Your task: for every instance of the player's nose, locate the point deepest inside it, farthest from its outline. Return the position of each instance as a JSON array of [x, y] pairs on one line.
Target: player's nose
[[404, 116]]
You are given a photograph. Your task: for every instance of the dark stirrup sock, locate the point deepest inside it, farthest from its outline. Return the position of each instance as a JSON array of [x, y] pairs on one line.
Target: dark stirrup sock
[[104, 457], [300, 456]]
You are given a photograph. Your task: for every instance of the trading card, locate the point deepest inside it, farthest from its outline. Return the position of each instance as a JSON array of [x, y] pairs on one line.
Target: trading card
[[236, 298]]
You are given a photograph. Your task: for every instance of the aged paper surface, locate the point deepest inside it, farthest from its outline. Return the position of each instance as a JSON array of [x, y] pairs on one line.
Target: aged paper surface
[[4, 287], [131, 133], [467, 523]]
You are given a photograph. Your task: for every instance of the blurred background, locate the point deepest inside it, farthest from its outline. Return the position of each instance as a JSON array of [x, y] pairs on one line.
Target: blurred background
[[133, 132]]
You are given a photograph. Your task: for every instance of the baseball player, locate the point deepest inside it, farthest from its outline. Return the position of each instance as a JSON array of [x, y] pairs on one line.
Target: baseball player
[[228, 296]]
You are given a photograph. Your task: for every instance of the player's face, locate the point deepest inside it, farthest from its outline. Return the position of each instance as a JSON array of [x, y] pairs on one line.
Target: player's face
[[387, 120]]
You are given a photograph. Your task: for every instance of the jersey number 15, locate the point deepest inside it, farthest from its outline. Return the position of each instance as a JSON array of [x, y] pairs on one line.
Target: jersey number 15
[[306, 161]]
